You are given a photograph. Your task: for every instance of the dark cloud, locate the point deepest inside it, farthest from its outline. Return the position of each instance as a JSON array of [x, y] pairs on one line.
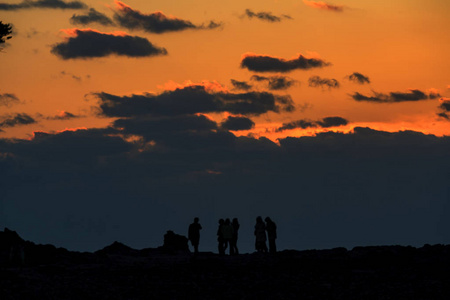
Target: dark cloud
[[241, 85], [96, 187], [394, 97], [172, 133], [281, 82], [413, 95], [444, 115], [377, 97], [264, 63], [56, 4], [89, 44], [237, 123], [324, 123], [265, 16], [358, 78], [8, 99], [159, 127], [255, 103], [297, 124], [317, 81], [78, 147], [92, 16], [332, 122], [259, 78], [190, 100], [324, 5], [433, 94], [211, 25], [445, 108], [156, 22], [199, 142], [64, 115], [276, 82], [6, 32], [16, 120], [445, 105]]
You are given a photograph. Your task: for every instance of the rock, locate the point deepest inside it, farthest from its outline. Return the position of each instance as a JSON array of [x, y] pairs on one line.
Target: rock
[[117, 248], [175, 243], [12, 248], [375, 272]]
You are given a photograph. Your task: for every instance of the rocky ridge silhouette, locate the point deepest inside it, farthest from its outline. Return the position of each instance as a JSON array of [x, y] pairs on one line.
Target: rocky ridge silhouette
[[30, 271]]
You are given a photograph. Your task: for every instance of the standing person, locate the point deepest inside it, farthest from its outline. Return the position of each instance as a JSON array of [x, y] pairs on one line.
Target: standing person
[[271, 229], [227, 235], [194, 234], [260, 235], [220, 239], [233, 243]]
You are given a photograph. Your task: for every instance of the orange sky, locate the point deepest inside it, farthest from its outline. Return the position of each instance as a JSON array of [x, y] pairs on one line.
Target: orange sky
[[400, 45], [159, 85]]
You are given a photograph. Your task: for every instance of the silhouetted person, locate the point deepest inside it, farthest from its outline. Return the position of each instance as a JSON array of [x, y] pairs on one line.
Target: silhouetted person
[[233, 243], [271, 229], [260, 235], [220, 239], [194, 234], [227, 234]]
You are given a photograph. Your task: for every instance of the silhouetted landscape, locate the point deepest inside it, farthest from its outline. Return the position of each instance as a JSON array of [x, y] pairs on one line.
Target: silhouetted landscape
[[224, 149], [31, 271]]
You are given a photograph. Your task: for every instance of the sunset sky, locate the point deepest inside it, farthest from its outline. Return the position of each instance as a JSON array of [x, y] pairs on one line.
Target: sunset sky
[[121, 120]]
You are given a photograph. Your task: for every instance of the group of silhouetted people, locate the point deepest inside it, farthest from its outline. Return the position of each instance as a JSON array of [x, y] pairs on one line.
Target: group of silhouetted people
[[227, 235]]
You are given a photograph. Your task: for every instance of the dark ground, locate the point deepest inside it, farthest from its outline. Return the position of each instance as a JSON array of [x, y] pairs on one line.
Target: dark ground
[[119, 272]]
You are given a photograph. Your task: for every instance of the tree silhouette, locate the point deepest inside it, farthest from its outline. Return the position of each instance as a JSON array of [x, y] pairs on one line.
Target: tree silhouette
[[5, 31]]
